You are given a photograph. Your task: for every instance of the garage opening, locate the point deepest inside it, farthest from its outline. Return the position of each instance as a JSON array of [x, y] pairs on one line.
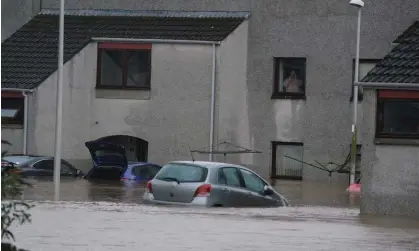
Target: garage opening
[[112, 154], [136, 149]]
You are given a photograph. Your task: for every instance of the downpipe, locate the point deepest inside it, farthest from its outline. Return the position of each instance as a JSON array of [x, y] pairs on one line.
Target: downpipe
[[211, 140]]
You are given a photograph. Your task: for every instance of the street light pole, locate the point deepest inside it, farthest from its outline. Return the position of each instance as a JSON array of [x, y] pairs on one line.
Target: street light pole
[[359, 4], [59, 105]]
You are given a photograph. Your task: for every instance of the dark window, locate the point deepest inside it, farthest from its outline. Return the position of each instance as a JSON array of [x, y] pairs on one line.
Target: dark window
[[146, 171], [287, 160], [252, 182], [67, 168], [45, 165], [183, 173], [124, 66], [398, 118], [12, 111], [365, 66], [289, 78], [231, 176]]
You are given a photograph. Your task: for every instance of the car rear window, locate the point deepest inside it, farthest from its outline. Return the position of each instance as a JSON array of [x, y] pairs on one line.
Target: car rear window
[[183, 173]]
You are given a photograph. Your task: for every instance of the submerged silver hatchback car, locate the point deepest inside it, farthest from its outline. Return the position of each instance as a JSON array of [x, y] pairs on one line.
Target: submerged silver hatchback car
[[210, 184]]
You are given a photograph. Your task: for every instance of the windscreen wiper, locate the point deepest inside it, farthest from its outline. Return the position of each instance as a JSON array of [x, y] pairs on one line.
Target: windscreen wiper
[[171, 179]]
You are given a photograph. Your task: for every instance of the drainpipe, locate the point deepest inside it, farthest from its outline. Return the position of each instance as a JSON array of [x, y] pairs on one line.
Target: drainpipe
[[25, 93], [211, 155]]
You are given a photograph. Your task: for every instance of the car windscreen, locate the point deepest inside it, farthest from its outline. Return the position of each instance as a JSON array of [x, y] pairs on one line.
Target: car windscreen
[[182, 173]]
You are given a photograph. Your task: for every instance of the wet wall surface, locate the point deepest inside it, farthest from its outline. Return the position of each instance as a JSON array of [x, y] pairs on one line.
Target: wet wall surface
[[111, 216]]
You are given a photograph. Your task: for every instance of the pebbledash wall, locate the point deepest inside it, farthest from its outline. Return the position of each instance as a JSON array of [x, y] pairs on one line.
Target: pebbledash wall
[[323, 32], [390, 184]]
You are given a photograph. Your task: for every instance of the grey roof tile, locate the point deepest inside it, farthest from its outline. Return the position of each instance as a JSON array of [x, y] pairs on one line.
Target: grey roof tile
[[29, 55], [401, 65]]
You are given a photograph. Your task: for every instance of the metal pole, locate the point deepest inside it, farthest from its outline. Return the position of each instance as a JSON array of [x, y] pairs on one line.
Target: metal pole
[[25, 124], [212, 104], [355, 103], [59, 106]]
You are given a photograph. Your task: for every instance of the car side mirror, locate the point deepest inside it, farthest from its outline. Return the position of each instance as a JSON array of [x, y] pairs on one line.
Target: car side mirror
[[268, 191]]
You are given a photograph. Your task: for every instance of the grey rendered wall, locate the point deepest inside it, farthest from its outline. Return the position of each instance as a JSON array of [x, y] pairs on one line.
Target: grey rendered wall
[[390, 178], [324, 33], [168, 118], [13, 136]]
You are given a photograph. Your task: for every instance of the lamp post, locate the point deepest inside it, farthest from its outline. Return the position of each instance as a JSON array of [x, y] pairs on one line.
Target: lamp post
[[59, 106], [358, 4]]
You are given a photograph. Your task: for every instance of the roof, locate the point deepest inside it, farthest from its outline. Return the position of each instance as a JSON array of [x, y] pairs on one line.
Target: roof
[[29, 56], [401, 65]]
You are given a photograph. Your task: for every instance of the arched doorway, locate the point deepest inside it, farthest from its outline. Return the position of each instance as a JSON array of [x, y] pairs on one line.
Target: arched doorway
[[136, 149]]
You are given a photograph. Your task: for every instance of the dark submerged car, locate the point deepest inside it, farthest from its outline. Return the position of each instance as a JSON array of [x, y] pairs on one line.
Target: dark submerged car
[[110, 163], [37, 166]]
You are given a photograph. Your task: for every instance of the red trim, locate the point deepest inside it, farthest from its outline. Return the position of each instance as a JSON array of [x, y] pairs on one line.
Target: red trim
[[9, 94], [125, 46], [398, 94]]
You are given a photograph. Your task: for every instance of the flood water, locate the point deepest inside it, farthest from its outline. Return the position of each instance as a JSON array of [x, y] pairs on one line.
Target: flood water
[[103, 216]]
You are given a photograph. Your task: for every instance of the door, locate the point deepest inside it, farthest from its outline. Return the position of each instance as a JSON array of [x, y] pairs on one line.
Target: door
[[254, 187], [232, 192]]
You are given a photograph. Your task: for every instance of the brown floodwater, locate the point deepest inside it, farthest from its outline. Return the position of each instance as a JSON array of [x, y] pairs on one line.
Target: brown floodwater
[[111, 216]]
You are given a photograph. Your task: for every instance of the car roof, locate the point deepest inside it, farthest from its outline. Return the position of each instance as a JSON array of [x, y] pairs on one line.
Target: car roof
[[132, 163], [17, 159], [209, 164]]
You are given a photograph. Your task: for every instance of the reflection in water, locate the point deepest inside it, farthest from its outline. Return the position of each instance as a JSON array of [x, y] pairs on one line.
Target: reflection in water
[[323, 217]]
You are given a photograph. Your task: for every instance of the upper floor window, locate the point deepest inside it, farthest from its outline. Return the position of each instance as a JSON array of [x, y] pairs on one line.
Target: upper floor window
[[12, 111], [398, 114], [365, 66], [289, 78], [124, 66]]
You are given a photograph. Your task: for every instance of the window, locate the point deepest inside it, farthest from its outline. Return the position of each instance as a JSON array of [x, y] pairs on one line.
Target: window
[[44, 165], [398, 114], [365, 66], [146, 171], [289, 78], [183, 173], [252, 181], [287, 160], [67, 168], [229, 176], [12, 111], [124, 66]]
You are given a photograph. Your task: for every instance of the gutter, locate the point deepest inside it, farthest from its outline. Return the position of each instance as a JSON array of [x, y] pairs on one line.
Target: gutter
[[154, 41], [25, 93], [378, 85], [214, 66]]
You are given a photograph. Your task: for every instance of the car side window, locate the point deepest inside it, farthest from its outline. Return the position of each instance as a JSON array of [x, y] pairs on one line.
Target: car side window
[[146, 171], [252, 182], [230, 177], [66, 168], [44, 165]]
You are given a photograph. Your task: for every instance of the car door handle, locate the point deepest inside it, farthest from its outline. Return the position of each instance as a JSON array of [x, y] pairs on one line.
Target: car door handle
[[226, 190]]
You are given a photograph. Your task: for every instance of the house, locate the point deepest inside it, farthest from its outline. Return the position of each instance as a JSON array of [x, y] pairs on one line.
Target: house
[[390, 152], [283, 78]]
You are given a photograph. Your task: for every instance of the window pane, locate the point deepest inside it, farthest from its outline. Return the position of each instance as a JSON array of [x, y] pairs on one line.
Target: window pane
[[111, 68], [45, 165], [252, 182], [183, 173], [231, 177], [288, 160], [292, 75], [145, 171], [9, 113], [66, 168], [401, 117], [138, 68]]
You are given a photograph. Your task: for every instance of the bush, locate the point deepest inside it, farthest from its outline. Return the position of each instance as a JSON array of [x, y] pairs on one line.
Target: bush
[[13, 211]]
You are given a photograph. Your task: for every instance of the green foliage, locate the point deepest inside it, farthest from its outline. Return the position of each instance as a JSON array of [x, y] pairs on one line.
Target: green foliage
[[12, 211]]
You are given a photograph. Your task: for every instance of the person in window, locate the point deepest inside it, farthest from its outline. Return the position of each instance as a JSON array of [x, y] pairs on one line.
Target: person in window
[[292, 83]]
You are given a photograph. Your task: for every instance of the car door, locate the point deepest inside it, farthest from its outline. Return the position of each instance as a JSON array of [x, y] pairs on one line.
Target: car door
[[44, 167], [231, 185], [254, 187]]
